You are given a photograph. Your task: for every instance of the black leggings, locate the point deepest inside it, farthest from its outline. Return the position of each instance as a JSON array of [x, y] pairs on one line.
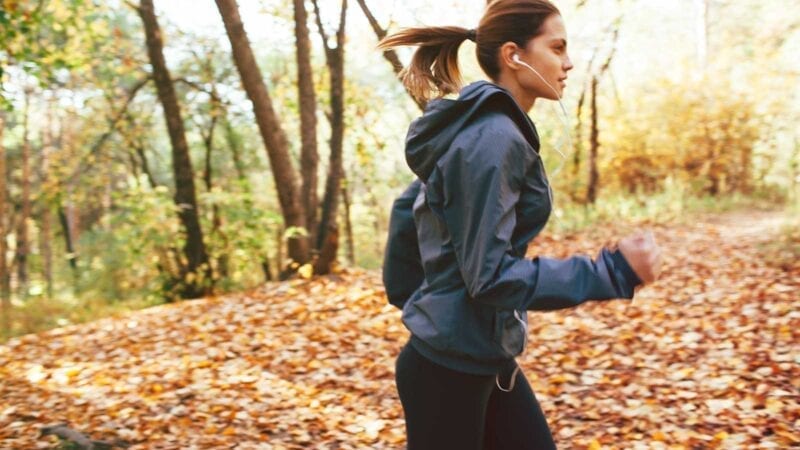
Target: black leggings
[[445, 409]]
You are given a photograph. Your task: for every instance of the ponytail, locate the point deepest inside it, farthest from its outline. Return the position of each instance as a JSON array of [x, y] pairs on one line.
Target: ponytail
[[433, 71]]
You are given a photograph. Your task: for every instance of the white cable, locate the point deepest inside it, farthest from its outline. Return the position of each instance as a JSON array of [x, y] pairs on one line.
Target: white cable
[[564, 117]]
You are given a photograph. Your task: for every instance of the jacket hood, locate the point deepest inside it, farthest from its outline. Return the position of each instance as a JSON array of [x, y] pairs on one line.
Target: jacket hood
[[430, 135]]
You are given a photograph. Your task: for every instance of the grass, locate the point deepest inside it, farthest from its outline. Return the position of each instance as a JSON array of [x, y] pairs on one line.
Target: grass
[[40, 312], [673, 205]]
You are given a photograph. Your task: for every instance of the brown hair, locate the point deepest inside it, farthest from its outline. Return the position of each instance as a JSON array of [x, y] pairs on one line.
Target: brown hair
[[434, 71]]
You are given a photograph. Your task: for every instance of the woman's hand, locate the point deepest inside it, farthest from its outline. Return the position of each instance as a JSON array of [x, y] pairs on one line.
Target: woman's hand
[[643, 255]]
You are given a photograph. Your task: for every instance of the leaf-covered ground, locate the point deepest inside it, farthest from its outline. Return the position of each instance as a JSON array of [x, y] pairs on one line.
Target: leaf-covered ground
[[708, 357]]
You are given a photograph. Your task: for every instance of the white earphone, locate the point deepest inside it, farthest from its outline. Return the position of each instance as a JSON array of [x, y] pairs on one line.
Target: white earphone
[[519, 60], [564, 119]]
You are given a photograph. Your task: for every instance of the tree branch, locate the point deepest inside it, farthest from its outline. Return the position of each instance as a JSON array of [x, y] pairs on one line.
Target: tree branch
[[389, 54], [82, 165], [322, 33]]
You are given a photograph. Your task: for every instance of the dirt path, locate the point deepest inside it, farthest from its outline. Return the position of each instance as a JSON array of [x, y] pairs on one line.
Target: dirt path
[[705, 358]]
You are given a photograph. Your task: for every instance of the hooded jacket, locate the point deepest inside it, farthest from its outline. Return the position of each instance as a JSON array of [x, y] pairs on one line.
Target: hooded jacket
[[455, 257]]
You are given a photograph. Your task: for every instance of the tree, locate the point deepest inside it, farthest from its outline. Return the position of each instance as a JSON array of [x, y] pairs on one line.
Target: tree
[[196, 272], [271, 130], [21, 256], [5, 291], [594, 142], [327, 237], [307, 97]]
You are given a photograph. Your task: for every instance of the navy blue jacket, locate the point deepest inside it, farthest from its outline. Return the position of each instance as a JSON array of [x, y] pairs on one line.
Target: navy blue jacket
[[455, 257]]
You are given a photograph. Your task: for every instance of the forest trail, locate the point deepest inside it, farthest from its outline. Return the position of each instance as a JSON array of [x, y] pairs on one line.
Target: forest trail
[[707, 357]]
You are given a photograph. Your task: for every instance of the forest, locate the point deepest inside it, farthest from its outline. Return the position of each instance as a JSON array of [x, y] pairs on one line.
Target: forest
[[208, 185]]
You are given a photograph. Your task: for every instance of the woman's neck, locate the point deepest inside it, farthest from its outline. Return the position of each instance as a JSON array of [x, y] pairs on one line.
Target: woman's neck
[[523, 99]]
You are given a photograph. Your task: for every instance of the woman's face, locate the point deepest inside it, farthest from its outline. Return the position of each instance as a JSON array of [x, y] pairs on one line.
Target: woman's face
[[547, 55]]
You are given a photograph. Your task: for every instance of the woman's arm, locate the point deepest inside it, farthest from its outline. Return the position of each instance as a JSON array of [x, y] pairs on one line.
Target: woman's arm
[[402, 268], [481, 183]]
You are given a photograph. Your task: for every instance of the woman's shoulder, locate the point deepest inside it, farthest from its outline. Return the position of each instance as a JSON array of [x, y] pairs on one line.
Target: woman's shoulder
[[494, 136]]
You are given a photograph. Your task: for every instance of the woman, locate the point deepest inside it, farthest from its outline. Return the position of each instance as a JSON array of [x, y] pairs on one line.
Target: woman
[[455, 259]]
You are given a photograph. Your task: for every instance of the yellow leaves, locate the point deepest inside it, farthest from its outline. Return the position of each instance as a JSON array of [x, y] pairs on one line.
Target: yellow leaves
[[721, 436], [306, 271], [594, 444], [774, 405], [659, 436], [562, 378], [202, 364]]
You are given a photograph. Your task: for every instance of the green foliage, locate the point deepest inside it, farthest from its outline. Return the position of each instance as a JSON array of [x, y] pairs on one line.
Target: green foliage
[[246, 237], [132, 254]]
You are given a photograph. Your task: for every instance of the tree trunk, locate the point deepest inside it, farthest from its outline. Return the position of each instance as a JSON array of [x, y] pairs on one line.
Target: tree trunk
[[309, 157], [196, 270], [139, 147], [266, 270], [389, 54], [594, 144], [67, 229], [47, 249], [351, 252], [328, 245], [5, 277], [234, 144], [216, 219], [22, 226], [272, 133], [46, 213]]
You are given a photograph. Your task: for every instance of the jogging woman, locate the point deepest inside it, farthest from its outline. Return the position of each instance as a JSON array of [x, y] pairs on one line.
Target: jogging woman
[[455, 259]]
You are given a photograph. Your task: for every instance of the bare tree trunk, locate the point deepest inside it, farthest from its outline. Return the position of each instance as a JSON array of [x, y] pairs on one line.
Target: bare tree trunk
[[327, 237], [197, 260], [309, 157], [272, 133], [46, 214], [139, 160], [5, 277], [139, 148], [46, 248], [67, 229], [389, 54], [594, 139], [351, 249], [266, 270], [216, 218], [279, 253], [234, 144], [22, 225], [591, 192]]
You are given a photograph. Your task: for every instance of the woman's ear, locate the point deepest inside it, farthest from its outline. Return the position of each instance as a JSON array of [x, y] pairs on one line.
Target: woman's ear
[[506, 55]]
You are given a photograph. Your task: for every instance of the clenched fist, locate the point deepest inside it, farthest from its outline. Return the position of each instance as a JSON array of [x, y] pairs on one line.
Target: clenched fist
[[643, 255]]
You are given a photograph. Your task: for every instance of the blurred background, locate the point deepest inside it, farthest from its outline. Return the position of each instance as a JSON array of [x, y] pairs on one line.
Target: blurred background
[[284, 148]]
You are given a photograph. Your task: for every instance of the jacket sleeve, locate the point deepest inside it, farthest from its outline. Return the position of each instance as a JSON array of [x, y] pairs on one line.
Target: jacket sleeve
[[481, 185], [402, 267]]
